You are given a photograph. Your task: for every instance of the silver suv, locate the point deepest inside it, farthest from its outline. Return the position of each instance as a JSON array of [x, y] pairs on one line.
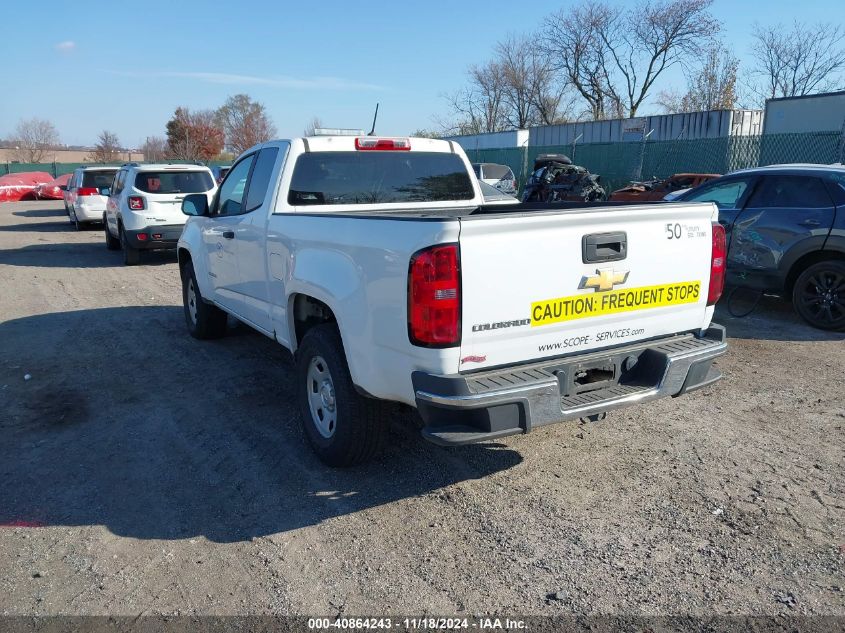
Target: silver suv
[[144, 210]]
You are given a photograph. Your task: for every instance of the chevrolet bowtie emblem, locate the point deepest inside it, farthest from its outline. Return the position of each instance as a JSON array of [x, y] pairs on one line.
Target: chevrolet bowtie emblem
[[603, 280]]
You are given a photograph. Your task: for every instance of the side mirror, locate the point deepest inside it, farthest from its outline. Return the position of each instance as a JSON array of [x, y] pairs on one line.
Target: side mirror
[[63, 187], [105, 191], [195, 204]]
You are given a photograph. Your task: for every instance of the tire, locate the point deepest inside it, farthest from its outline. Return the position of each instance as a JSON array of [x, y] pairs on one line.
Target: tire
[[131, 256], [818, 295], [204, 320], [112, 243], [343, 427]]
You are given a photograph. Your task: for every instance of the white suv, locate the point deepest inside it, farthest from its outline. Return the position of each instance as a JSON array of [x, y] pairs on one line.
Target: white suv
[[83, 200], [144, 206]]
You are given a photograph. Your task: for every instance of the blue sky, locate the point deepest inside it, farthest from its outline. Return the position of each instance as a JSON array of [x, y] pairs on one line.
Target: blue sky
[[125, 67]]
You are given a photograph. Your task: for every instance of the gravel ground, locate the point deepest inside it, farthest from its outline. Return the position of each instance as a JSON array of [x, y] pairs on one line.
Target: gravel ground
[[144, 472]]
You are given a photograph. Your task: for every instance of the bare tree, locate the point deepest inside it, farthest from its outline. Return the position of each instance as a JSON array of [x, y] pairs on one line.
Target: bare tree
[[712, 86], [245, 123], [515, 58], [314, 124], [154, 148], [572, 40], [479, 106], [798, 61], [33, 139], [107, 148], [651, 37]]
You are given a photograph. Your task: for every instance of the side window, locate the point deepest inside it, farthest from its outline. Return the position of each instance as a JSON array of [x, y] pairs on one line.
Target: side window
[[259, 182], [725, 193], [117, 185], [790, 191], [231, 194], [72, 184]]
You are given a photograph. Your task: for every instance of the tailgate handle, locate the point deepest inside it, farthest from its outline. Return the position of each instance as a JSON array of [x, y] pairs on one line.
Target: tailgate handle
[[604, 247]]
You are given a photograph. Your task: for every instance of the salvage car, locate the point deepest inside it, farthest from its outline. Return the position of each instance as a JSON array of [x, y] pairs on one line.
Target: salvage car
[[555, 179], [786, 235], [377, 263], [53, 190], [659, 189]]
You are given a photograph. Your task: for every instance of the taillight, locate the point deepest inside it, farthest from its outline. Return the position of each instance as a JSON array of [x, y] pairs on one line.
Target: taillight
[[434, 297], [718, 263], [383, 143], [87, 191], [136, 203]]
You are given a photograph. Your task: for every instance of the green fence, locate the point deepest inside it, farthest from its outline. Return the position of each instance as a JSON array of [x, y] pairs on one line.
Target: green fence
[[620, 163]]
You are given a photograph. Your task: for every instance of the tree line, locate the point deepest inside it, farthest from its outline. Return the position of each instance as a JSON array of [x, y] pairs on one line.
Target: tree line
[[192, 135], [595, 61]]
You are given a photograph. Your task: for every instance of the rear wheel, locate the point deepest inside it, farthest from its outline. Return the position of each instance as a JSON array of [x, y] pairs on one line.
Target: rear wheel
[[343, 427], [131, 256], [819, 295], [204, 320]]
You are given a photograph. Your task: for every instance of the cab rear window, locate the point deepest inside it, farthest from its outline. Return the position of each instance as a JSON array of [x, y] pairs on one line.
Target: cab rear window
[[173, 181], [375, 177]]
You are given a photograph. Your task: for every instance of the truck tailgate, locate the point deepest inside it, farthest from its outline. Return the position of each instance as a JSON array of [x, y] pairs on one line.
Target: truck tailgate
[[548, 284]]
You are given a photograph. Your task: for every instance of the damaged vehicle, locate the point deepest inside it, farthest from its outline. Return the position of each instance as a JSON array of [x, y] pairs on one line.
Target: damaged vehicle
[[556, 179], [660, 188]]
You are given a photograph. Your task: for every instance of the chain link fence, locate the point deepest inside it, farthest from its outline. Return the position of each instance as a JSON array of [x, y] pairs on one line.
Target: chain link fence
[[620, 163]]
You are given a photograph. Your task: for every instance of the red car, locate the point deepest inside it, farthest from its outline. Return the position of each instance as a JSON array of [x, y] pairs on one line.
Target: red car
[[14, 187], [53, 190]]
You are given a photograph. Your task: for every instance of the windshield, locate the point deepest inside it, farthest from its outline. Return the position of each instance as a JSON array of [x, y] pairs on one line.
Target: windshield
[[173, 181], [372, 177], [497, 171]]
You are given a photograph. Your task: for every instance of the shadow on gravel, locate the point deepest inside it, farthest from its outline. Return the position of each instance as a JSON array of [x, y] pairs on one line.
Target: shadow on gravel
[[773, 319], [42, 213], [129, 423], [62, 226], [76, 255]]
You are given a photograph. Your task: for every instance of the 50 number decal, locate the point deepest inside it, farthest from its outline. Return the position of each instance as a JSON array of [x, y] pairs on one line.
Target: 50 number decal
[[673, 231]]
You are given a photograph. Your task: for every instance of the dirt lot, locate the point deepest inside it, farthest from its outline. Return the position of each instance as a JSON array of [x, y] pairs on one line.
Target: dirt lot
[[142, 471]]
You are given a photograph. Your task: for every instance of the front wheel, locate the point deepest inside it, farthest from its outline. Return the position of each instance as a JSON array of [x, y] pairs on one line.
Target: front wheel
[[819, 295], [343, 427], [204, 320]]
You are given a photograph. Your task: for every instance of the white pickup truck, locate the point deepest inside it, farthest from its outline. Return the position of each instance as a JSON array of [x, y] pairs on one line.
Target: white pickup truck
[[375, 261]]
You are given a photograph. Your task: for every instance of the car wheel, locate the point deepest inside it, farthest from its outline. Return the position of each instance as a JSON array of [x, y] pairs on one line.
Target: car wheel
[[131, 256], [819, 295], [112, 243], [204, 320], [343, 427]]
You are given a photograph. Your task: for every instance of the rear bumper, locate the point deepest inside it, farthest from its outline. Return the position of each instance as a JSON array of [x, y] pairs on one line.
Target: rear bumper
[[162, 237], [89, 211], [462, 409]]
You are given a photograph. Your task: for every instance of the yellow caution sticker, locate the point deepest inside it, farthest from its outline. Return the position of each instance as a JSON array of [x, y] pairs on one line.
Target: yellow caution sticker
[[623, 300]]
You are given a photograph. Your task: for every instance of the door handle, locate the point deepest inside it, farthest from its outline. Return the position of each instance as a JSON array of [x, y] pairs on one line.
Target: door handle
[[810, 222], [229, 234]]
